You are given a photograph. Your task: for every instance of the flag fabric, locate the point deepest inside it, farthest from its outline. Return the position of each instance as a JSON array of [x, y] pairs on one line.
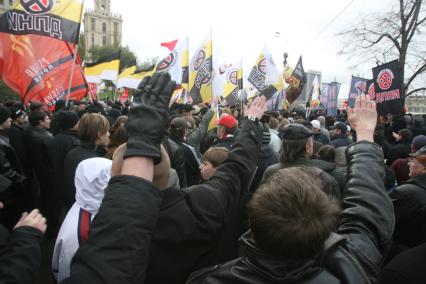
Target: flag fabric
[[228, 81], [105, 68], [358, 87], [371, 89], [126, 78], [264, 76], [170, 45], [215, 118], [388, 85], [296, 82], [124, 96], [39, 68], [324, 95], [55, 19], [201, 72], [176, 63], [333, 94], [315, 93]]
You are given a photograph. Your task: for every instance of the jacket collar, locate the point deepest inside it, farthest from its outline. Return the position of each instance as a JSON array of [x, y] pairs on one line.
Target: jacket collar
[[419, 180], [275, 269]]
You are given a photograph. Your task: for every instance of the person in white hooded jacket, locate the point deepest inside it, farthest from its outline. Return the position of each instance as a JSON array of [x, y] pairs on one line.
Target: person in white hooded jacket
[[91, 178]]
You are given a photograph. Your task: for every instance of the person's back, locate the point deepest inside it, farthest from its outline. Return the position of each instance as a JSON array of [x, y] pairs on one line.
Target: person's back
[[292, 222], [200, 226]]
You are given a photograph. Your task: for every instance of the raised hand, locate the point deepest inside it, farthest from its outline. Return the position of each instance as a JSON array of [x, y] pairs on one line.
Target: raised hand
[[148, 117], [257, 108], [363, 118], [34, 219]]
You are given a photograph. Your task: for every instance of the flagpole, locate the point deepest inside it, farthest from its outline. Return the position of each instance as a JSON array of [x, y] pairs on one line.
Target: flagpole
[[75, 57], [118, 73]]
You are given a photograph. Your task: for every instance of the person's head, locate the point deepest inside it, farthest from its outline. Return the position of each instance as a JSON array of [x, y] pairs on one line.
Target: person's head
[[273, 123], [93, 130], [290, 216], [67, 120], [91, 179], [191, 121], [179, 127], [212, 158], [297, 143], [417, 162], [404, 136], [418, 142], [121, 120], [226, 125], [283, 123], [321, 119], [316, 126], [39, 119], [327, 153], [17, 115], [341, 128], [5, 120]]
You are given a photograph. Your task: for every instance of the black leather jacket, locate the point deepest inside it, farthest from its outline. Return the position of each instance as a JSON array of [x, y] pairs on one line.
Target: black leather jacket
[[177, 160], [353, 254]]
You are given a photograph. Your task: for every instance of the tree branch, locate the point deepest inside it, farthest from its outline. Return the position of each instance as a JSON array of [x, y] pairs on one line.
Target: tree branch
[[420, 70], [415, 91]]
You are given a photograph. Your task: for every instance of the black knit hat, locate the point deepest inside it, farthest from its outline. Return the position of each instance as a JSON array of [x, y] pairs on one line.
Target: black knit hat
[[4, 114], [16, 112], [67, 119]]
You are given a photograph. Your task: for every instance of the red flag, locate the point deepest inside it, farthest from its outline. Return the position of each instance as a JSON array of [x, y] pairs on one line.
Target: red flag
[[38, 68], [170, 45], [125, 96]]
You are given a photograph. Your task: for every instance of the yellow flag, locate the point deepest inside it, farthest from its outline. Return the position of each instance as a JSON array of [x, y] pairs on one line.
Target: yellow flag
[[201, 72]]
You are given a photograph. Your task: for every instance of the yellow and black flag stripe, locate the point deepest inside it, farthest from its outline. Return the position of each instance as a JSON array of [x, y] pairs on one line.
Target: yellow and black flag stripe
[[56, 19], [104, 69]]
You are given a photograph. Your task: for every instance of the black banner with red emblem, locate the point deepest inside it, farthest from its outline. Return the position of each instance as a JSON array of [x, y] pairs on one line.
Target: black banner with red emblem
[[387, 87]]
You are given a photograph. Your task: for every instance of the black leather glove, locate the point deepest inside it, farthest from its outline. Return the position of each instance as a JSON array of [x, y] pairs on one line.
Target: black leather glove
[[148, 116]]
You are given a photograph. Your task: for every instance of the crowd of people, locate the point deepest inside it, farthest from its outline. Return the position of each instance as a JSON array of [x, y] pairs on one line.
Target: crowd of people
[[147, 193]]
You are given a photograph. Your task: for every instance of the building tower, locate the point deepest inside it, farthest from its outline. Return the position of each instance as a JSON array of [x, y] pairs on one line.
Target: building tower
[[101, 26]]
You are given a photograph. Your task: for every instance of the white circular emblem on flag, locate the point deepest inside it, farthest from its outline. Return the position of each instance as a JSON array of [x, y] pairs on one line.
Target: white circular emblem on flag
[[385, 79], [37, 6]]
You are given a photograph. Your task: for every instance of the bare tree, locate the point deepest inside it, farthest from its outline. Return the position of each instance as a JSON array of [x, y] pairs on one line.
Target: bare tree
[[398, 33]]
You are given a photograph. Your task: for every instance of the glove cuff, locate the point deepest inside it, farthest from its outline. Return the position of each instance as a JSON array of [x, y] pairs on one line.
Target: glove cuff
[[142, 148]]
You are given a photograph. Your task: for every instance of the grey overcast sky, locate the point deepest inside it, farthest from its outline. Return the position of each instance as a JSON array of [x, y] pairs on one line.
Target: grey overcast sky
[[242, 28]]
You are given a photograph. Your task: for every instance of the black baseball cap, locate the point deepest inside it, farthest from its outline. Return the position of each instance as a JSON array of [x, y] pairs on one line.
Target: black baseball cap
[[296, 131]]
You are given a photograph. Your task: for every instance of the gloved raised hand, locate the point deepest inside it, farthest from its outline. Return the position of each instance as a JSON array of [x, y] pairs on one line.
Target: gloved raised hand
[[148, 116]]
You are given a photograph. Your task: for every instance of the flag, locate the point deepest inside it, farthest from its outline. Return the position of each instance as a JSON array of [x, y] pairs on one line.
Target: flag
[[215, 118], [170, 45], [315, 93], [358, 87], [39, 68], [176, 63], [124, 96], [126, 79], [388, 84], [296, 82], [264, 76], [228, 81], [371, 89], [333, 94], [55, 19], [201, 72], [324, 95], [105, 68]]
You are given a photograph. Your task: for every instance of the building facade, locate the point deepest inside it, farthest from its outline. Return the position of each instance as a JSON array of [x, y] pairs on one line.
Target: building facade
[[5, 5], [416, 104], [101, 26]]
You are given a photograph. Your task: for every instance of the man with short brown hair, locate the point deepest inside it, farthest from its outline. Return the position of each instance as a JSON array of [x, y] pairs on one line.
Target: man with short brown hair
[[297, 234]]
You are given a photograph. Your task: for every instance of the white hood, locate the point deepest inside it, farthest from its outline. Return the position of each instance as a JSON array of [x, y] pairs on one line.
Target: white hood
[[91, 179]]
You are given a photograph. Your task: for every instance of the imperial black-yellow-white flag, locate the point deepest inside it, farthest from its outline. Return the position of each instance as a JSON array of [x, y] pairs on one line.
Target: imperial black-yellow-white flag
[[176, 63], [201, 72], [264, 76], [228, 81], [58, 19], [104, 69]]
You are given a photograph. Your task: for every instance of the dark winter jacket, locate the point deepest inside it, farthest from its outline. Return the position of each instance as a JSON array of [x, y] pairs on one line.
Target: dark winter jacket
[[39, 145], [200, 226], [72, 159], [329, 184], [341, 140], [16, 135], [321, 138], [120, 236], [400, 150], [409, 201], [177, 160], [353, 254], [63, 143], [267, 157], [228, 142], [9, 161], [20, 258], [407, 267]]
